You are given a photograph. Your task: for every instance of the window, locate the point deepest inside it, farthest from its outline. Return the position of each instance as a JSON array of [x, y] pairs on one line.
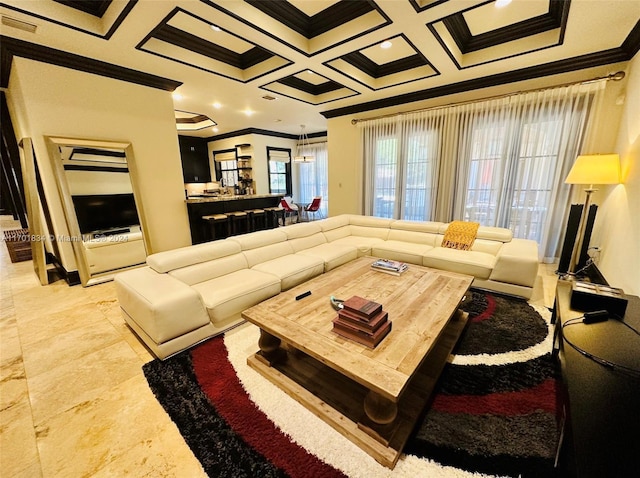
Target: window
[[386, 172], [483, 187], [419, 178], [226, 166], [401, 176], [313, 177], [500, 162], [279, 164], [511, 174]]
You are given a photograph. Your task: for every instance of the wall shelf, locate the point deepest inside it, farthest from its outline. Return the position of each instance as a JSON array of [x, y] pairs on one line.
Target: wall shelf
[[244, 165]]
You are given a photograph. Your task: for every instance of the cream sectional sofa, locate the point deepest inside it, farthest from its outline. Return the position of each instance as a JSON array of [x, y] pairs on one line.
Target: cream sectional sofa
[[184, 296]]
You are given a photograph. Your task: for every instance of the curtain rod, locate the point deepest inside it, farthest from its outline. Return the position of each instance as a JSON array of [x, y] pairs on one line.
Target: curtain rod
[[612, 76]]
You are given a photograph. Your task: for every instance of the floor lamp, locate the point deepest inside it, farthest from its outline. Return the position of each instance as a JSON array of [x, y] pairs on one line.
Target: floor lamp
[[591, 169]]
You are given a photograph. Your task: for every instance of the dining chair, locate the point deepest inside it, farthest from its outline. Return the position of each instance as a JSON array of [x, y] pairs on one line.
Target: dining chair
[[289, 210], [314, 207]]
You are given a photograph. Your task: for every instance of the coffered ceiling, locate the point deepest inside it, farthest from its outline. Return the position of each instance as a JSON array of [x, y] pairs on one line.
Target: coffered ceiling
[[277, 64]]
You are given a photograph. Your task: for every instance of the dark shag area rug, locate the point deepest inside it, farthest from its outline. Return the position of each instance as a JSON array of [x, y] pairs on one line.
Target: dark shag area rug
[[493, 411]]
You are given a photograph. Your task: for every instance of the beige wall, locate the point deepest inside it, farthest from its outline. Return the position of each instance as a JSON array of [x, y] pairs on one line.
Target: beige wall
[[47, 100], [345, 167], [617, 228]]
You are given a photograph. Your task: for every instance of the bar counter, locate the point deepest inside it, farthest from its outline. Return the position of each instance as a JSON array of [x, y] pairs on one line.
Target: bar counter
[[205, 206], [205, 199]]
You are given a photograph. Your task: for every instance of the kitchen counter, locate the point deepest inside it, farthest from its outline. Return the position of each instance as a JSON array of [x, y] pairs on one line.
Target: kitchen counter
[[228, 197]]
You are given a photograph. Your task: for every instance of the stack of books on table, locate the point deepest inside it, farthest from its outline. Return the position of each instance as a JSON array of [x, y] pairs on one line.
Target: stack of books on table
[[362, 321], [390, 267]]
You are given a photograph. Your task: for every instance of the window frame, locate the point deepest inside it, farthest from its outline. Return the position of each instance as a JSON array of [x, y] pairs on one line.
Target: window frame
[[287, 172]]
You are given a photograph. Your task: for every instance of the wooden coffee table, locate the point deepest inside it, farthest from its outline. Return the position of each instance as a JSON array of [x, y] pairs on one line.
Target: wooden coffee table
[[372, 396]]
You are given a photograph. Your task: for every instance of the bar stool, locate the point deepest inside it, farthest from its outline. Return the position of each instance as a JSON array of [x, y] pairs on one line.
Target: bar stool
[[238, 222], [216, 221], [257, 219], [273, 216]]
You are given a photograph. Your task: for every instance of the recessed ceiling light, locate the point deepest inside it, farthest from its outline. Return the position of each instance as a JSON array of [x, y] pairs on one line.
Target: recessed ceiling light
[[502, 3], [268, 97], [385, 44], [215, 129], [176, 95], [217, 105], [215, 28], [248, 112]]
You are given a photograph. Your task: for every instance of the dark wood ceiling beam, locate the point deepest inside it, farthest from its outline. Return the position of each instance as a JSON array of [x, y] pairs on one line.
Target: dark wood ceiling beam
[[457, 26], [459, 30], [364, 64], [190, 42], [403, 64], [285, 13], [306, 87], [255, 56], [590, 60], [336, 15], [11, 47], [97, 8], [310, 27]]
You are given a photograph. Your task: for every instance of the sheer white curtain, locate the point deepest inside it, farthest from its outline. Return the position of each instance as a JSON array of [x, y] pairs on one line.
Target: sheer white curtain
[[313, 177], [400, 175], [500, 162]]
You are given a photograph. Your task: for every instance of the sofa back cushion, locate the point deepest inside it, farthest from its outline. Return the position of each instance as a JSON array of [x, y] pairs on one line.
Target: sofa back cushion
[[418, 226], [186, 256], [370, 221], [267, 253], [208, 270], [302, 229], [490, 247], [304, 235], [258, 239], [369, 226], [369, 231], [335, 222], [426, 238]]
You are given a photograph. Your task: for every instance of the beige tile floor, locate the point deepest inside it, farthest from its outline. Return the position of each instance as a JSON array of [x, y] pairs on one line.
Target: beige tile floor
[[73, 399]]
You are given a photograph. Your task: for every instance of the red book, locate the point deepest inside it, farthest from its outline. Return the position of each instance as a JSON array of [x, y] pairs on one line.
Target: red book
[[371, 326], [369, 340], [363, 307]]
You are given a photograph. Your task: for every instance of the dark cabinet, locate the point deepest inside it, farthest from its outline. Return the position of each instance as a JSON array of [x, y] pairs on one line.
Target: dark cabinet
[[195, 159], [600, 364]]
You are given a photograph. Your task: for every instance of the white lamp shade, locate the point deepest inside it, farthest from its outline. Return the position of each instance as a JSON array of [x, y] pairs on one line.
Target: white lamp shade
[[595, 169]]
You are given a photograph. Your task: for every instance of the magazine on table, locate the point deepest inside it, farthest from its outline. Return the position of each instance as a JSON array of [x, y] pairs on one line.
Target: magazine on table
[[389, 266]]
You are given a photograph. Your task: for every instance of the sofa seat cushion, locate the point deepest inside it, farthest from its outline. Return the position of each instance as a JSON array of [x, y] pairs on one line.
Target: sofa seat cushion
[[477, 264], [293, 269], [229, 295], [361, 243], [409, 252], [333, 255]]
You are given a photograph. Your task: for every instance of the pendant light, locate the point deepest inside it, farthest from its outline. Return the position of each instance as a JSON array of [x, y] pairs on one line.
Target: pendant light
[[303, 144]]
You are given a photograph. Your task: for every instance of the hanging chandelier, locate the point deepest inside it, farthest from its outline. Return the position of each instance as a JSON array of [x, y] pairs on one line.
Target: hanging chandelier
[[302, 146]]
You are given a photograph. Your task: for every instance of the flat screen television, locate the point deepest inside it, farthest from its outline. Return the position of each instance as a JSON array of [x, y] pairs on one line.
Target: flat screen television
[[104, 212]]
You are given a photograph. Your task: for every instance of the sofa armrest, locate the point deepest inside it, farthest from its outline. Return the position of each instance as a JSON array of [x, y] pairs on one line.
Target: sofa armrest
[[161, 305], [517, 263]]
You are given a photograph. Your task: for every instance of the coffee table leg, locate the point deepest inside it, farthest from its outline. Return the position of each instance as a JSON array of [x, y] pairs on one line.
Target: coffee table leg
[[270, 350], [379, 409]]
